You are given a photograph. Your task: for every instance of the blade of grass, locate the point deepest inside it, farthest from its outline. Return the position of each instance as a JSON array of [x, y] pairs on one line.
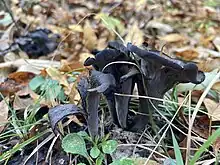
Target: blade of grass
[[178, 155], [17, 147], [210, 140]]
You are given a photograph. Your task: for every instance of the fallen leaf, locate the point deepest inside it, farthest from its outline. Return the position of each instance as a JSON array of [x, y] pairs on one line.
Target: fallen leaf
[[10, 87], [204, 53], [216, 42], [6, 20], [216, 86], [201, 126], [174, 37], [206, 40], [110, 22], [216, 145], [70, 66], [75, 28], [56, 75], [209, 64], [135, 35], [140, 5], [3, 113], [213, 109], [21, 77], [22, 103], [188, 55], [89, 37], [161, 27]]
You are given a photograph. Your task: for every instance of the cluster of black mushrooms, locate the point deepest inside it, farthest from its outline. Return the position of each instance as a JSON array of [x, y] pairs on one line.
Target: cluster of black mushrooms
[[117, 69]]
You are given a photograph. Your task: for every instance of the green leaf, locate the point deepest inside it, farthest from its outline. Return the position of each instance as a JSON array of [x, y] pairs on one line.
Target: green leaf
[[94, 152], [212, 3], [7, 20], [81, 164], [210, 140], [178, 155], [100, 159], [74, 144], [110, 22], [109, 146], [36, 82], [123, 161], [83, 134], [53, 90]]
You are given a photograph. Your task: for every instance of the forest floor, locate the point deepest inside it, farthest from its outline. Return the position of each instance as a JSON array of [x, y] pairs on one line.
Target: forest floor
[[44, 44]]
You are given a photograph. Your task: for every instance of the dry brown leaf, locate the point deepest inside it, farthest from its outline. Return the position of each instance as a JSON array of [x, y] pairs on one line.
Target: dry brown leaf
[[89, 37], [21, 77], [205, 41], [22, 103], [216, 145], [10, 87], [213, 109], [135, 35], [70, 66], [216, 86], [75, 28], [56, 75], [216, 42], [209, 64], [201, 126], [140, 5], [174, 37], [188, 55], [3, 113]]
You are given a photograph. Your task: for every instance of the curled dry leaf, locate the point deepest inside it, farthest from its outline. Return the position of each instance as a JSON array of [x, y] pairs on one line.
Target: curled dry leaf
[[206, 40], [213, 109], [10, 87], [201, 126], [216, 145], [188, 55], [216, 42], [15, 82], [162, 28], [174, 37], [216, 86], [135, 35], [56, 75], [3, 113], [22, 103], [209, 64], [70, 66], [21, 77], [89, 37]]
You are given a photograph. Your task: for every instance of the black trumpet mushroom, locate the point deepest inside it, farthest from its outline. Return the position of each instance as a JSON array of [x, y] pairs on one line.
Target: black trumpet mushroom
[[115, 60], [90, 90], [163, 73], [37, 43], [117, 69]]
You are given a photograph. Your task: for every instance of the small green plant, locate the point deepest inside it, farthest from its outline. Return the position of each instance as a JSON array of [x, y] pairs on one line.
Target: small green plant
[[74, 143], [50, 89]]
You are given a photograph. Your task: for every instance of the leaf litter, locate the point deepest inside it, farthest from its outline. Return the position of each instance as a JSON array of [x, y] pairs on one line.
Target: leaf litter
[[82, 28]]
